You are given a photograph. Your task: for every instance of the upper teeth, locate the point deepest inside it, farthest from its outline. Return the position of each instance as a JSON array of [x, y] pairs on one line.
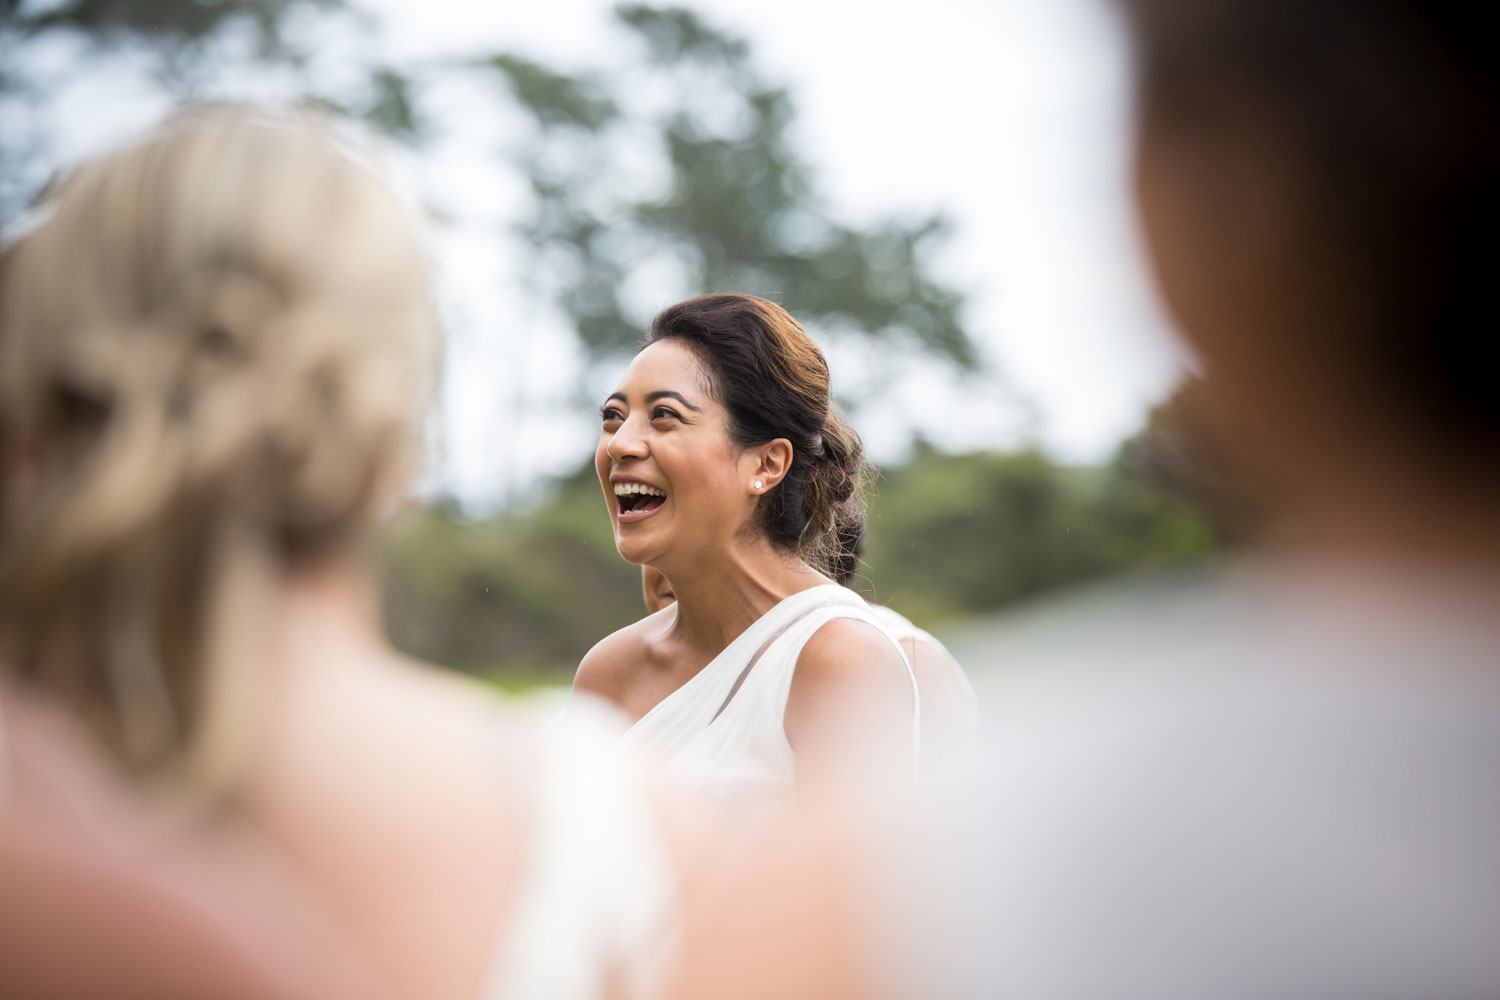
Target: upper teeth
[[625, 489]]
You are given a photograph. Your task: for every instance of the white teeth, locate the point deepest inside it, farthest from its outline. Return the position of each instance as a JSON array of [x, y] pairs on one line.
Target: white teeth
[[628, 489]]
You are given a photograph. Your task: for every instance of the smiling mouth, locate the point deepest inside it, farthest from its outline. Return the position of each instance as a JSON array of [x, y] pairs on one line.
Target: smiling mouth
[[635, 501]]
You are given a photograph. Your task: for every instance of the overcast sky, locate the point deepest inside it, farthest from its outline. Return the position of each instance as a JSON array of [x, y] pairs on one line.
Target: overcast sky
[[1009, 116]]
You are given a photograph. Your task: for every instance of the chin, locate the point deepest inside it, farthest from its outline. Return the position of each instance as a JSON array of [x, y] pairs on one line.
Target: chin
[[633, 550]]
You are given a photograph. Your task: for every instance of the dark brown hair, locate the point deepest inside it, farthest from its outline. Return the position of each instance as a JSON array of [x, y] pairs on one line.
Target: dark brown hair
[[772, 379]]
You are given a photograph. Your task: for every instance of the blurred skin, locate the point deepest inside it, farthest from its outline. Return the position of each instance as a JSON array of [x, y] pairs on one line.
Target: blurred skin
[[1226, 294], [364, 739], [783, 917], [848, 712], [1271, 313], [87, 871]]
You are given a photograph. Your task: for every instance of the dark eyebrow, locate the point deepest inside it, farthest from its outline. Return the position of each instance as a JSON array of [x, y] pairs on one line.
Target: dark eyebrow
[[652, 397]]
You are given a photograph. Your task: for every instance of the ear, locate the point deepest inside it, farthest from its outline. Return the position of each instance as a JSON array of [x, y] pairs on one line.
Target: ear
[[770, 462]]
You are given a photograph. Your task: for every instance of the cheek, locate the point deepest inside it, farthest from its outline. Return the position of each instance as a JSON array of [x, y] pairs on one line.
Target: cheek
[[713, 473], [1219, 216]]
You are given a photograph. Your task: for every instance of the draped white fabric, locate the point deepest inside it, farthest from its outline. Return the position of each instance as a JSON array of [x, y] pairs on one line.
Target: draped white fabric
[[723, 729]]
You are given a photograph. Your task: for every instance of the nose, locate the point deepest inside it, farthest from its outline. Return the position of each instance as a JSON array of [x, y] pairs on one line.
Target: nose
[[628, 440]]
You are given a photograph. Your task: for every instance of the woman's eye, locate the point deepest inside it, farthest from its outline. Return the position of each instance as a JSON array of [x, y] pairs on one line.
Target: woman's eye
[[664, 413], [611, 415]]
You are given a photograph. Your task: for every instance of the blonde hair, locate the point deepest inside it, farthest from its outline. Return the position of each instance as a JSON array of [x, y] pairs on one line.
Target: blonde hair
[[215, 350]]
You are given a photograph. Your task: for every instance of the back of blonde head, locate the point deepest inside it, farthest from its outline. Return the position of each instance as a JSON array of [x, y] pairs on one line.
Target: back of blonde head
[[215, 347]]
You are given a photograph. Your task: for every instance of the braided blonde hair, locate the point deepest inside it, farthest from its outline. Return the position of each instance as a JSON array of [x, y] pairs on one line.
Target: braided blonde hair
[[215, 350]]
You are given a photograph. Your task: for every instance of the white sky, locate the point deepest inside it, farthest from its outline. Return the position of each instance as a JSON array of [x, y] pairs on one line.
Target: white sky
[[1007, 115]]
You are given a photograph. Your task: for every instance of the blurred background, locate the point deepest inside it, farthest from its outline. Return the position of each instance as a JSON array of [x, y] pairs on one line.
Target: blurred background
[[937, 190]]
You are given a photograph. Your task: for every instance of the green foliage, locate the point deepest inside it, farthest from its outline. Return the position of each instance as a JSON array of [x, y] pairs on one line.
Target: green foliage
[[529, 591], [392, 109], [680, 159], [674, 34], [164, 22], [949, 536], [958, 534], [730, 203], [180, 45], [554, 99]]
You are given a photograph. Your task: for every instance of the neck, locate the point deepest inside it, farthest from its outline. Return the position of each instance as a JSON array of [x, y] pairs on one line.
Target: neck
[[720, 596], [325, 614]]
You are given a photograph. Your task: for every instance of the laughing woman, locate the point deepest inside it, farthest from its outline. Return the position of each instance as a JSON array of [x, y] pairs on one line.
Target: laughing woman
[[725, 467]]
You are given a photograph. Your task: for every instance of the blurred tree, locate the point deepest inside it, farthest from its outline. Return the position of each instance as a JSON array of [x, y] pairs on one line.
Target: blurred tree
[[167, 23], [949, 536], [952, 535], [676, 167], [681, 165], [529, 590], [188, 49]]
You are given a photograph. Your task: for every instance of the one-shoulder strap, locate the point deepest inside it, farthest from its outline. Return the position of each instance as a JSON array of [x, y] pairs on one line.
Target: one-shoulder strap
[[687, 711], [903, 629]]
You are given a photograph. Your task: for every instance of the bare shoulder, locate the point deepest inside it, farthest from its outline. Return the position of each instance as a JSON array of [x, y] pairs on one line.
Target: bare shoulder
[[847, 667], [849, 711], [850, 651], [608, 669]]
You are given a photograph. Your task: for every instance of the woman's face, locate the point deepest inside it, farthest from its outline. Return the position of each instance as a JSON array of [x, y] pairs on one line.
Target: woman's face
[[674, 482]]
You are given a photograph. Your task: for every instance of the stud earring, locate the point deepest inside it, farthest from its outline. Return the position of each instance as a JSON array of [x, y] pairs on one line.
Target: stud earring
[[756, 484]]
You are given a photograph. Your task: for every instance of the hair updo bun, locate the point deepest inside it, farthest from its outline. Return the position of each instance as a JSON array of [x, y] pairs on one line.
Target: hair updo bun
[[772, 380]]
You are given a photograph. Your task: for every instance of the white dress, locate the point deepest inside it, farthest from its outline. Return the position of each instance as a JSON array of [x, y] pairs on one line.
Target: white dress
[[900, 628], [723, 730]]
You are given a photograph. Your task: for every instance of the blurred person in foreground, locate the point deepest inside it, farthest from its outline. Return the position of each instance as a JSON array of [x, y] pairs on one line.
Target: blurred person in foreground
[[1275, 778], [216, 346]]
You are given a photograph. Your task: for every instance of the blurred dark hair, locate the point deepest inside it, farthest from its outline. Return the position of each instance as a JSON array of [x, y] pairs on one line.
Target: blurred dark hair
[[851, 550], [772, 379], [1391, 107]]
